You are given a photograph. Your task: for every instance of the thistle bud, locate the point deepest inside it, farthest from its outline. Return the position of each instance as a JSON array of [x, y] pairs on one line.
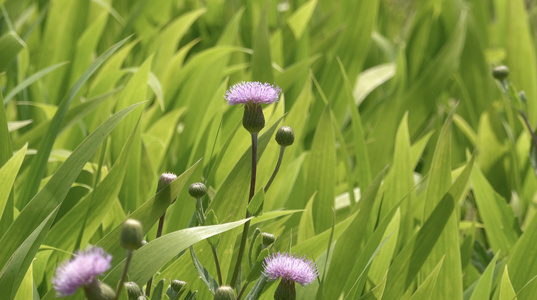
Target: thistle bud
[[224, 293], [268, 238], [253, 119], [133, 290], [197, 190], [164, 180], [177, 285], [500, 72], [132, 234], [285, 136], [99, 291]]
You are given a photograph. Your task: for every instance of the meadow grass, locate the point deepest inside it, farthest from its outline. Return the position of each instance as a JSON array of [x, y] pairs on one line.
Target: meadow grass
[[412, 175]]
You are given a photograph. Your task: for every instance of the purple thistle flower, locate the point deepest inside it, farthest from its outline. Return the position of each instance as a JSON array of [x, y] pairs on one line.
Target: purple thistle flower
[[252, 92], [290, 268], [81, 270]]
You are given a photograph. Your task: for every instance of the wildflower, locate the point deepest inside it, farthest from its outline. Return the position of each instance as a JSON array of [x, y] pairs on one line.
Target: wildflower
[[291, 269], [252, 94], [81, 271]]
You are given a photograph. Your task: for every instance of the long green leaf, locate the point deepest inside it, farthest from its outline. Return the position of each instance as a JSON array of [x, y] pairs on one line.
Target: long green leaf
[[10, 45], [8, 173], [28, 81], [54, 192], [38, 168], [347, 248], [151, 257], [322, 172]]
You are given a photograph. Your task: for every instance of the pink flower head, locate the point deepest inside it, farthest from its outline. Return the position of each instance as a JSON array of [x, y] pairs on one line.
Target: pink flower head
[[81, 270], [252, 92], [290, 268]]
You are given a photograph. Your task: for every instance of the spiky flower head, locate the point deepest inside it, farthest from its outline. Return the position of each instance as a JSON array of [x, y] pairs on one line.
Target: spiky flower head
[[81, 271], [252, 92], [290, 268]]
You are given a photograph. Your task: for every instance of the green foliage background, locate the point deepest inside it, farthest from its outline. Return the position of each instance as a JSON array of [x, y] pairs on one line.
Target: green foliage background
[[410, 178]]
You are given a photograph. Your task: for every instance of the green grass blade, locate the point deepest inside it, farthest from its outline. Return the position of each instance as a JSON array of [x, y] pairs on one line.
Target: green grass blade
[[151, 257], [261, 61], [13, 272], [38, 167], [87, 215], [483, 287], [10, 45], [425, 290], [148, 214], [321, 170], [410, 260], [506, 288], [54, 192], [28, 81], [501, 227], [347, 248], [8, 173]]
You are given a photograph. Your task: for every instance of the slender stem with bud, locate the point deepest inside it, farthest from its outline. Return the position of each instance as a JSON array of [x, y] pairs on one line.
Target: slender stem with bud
[[247, 224], [200, 212], [276, 169], [124, 274], [159, 234]]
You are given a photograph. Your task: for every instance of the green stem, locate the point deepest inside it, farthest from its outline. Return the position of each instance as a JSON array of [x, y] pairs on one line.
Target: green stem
[[124, 275], [247, 224], [217, 263], [242, 290], [533, 137], [159, 234], [200, 212], [276, 169]]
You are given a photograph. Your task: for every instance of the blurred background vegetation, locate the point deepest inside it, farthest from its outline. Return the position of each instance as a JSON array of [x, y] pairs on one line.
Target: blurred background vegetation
[[366, 84]]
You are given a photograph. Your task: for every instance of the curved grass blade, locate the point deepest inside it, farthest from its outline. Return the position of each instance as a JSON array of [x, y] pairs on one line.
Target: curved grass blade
[[54, 192], [39, 163], [28, 81]]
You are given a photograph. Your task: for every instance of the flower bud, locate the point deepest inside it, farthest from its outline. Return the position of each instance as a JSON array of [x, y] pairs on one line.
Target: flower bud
[[268, 238], [500, 72], [132, 234], [253, 119], [98, 290], [197, 190], [224, 293], [164, 180], [285, 136], [133, 290], [177, 285]]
